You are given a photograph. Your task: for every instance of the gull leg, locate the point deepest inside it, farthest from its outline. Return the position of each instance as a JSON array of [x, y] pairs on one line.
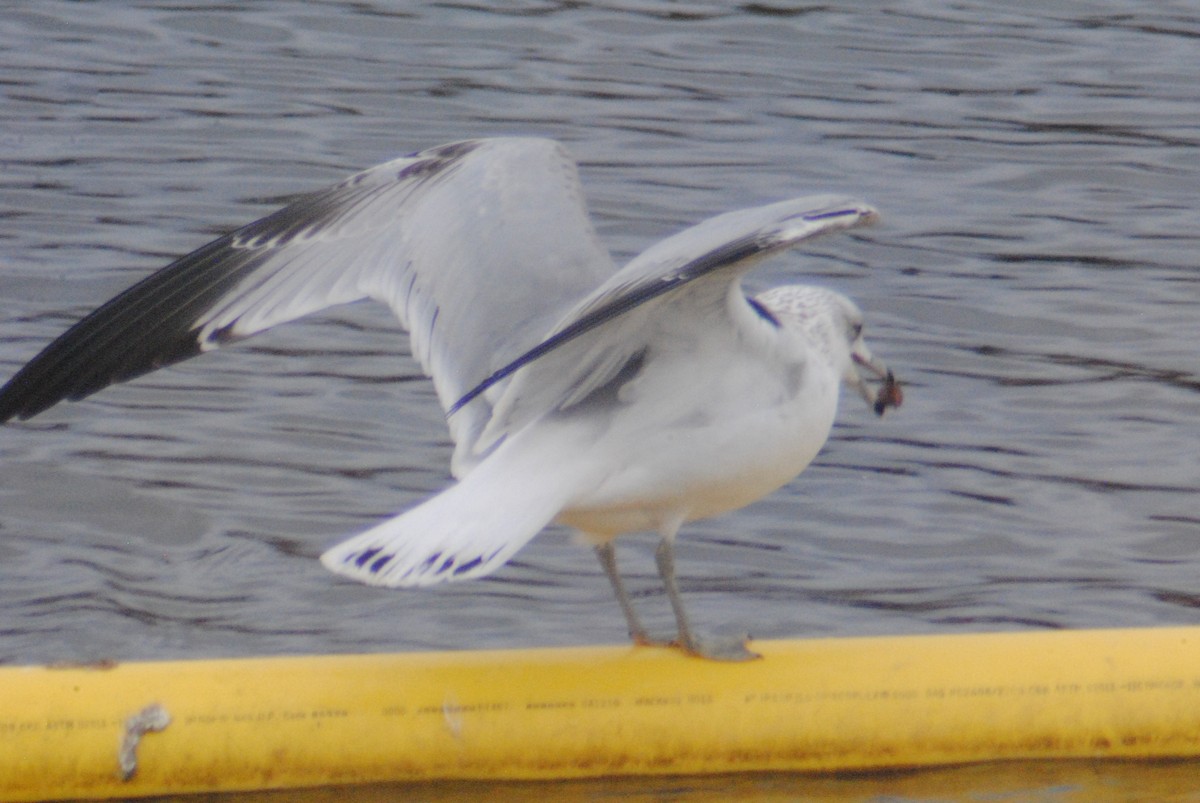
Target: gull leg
[[734, 650], [608, 559]]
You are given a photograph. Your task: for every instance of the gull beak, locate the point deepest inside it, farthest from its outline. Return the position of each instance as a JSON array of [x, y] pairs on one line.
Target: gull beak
[[889, 393]]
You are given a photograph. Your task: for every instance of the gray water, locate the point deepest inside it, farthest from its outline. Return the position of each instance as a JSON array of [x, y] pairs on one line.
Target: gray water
[[1034, 283]]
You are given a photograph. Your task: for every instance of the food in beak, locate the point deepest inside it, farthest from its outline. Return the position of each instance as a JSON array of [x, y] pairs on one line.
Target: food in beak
[[889, 395]]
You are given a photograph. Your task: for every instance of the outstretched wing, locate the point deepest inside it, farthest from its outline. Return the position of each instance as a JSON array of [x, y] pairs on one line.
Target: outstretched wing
[[676, 277], [478, 247]]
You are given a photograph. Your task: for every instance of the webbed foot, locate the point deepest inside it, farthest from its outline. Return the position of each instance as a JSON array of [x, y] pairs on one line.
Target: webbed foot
[[722, 649]]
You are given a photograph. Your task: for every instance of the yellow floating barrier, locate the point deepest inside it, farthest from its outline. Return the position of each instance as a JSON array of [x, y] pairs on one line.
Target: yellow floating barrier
[[138, 729]]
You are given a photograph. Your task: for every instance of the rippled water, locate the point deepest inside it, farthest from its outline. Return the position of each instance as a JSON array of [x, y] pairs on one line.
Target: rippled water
[[1034, 282]]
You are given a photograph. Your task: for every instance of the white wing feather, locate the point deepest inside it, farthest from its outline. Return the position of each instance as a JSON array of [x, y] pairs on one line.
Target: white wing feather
[[685, 273], [478, 247]]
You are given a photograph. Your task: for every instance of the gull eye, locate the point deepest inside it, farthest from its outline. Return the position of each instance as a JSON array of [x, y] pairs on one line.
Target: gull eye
[[856, 330]]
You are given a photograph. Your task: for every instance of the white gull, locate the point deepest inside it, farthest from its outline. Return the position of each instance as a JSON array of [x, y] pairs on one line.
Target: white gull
[[606, 400]]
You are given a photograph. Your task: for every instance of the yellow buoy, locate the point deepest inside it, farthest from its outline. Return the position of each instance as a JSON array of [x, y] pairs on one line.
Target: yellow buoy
[[137, 729]]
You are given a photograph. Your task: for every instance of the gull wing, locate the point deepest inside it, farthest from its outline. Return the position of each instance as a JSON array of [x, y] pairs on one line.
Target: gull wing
[[477, 246], [681, 276]]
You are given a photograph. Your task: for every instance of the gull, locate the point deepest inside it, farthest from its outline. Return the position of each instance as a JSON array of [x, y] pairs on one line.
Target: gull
[[607, 400]]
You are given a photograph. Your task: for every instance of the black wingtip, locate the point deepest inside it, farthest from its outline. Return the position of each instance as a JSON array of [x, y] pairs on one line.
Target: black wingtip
[[148, 326], [69, 370]]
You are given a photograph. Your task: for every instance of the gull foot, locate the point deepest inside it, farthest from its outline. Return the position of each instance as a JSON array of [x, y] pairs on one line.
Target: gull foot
[[733, 649]]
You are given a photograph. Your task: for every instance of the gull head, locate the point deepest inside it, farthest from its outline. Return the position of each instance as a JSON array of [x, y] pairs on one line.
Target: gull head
[[833, 324]]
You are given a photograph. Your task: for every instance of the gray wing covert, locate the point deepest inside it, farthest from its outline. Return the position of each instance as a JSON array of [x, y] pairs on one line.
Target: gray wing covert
[[679, 276]]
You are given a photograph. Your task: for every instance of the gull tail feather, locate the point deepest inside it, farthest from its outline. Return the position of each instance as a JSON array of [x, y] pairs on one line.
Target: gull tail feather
[[467, 531]]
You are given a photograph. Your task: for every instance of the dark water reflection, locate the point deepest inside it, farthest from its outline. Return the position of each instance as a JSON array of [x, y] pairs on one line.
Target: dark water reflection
[[1034, 282]]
